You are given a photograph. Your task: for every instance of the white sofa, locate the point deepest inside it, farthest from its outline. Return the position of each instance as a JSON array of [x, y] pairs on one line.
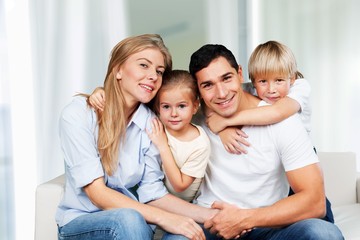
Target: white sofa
[[342, 186]]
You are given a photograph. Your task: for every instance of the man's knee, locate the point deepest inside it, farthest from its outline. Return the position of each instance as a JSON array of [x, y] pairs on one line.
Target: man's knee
[[319, 229]]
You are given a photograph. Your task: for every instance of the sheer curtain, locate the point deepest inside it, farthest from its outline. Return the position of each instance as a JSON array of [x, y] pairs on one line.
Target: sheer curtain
[[19, 129], [325, 40], [6, 163], [50, 50], [72, 41]]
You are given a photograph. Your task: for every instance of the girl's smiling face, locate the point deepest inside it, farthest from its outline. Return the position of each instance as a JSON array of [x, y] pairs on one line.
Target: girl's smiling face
[[176, 109]]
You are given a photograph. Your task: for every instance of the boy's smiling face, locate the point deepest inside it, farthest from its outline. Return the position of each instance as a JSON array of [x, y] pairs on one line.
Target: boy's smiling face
[[272, 87]]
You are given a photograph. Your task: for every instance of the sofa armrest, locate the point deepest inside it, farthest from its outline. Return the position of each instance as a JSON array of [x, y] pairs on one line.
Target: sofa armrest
[[48, 196]]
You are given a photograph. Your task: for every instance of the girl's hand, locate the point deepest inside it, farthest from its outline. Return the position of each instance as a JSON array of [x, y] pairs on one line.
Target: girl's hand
[[157, 134], [97, 99], [234, 140], [215, 122]]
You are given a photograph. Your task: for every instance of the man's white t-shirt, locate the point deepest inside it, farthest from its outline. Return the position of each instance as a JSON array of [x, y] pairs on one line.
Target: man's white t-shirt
[[258, 178]]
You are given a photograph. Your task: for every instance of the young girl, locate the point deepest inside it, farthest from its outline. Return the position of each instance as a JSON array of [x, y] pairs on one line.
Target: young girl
[[273, 72], [184, 147]]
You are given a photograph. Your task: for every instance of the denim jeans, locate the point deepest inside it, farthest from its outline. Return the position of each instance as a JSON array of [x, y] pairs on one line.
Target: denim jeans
[[309, 229], [110, 224]]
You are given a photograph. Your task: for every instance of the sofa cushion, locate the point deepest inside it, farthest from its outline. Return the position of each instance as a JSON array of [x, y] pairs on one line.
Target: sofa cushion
[[347, 218], [340, 175]]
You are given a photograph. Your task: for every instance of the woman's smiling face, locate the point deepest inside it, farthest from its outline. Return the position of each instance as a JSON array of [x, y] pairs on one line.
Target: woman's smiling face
[[140, 77]]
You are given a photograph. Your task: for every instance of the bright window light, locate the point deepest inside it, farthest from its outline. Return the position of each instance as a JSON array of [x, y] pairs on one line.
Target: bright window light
[[22, 115]]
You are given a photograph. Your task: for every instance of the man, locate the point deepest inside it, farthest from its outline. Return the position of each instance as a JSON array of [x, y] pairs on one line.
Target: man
[[251, 190]]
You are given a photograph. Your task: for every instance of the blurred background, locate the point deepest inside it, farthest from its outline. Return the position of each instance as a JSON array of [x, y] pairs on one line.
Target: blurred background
[[53, 49]]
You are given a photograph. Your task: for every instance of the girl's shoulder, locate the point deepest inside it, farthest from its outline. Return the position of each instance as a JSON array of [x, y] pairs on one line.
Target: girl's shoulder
[[202, 132]]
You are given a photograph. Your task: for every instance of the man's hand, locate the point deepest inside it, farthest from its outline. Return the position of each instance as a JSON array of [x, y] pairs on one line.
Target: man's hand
[[229, 222]]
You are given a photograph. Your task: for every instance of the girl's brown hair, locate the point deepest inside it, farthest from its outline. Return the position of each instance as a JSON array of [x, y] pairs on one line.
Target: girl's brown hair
[[176, 78]]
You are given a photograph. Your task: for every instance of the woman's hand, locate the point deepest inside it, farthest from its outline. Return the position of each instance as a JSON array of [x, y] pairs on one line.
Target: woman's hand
[[97, 99], [185, 226], [157, 134]]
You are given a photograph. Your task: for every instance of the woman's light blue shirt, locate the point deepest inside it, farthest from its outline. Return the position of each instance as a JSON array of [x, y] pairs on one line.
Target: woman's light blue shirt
[[139, 160]]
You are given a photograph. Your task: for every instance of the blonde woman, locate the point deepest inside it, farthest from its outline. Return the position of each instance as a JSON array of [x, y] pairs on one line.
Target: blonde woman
[[111, 166]]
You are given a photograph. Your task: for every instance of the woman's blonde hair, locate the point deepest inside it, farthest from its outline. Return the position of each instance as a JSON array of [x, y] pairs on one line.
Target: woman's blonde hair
[[273, 57], [112, 122]]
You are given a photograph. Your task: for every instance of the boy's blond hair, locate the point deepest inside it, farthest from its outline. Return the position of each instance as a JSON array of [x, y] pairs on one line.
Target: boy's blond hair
[[273, 57]]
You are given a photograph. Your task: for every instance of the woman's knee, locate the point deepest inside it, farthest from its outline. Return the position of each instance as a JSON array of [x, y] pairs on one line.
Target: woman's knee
[[127, 216], [130, 223], [110, 224]]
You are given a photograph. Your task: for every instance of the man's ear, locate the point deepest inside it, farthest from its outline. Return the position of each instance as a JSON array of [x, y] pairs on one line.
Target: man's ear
[[240, 74], [196, 106]]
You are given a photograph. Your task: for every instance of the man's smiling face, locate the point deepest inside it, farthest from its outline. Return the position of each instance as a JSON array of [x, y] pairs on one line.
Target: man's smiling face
[[220, 87]]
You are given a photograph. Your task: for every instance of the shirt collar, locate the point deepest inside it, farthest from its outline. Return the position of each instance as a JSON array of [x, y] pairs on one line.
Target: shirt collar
[[140, 116]]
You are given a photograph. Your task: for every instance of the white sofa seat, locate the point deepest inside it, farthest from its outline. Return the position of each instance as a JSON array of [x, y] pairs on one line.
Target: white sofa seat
[[347, 218], [342, 187]]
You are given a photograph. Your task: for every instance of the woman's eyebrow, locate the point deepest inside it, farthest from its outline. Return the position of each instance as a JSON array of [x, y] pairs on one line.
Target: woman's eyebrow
[[143, 58]]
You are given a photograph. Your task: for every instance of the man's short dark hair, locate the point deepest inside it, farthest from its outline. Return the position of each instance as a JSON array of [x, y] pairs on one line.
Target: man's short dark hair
[[206, 54]]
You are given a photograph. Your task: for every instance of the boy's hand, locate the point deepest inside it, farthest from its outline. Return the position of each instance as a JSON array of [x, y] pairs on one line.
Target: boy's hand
[[97, 99], [234, 140]]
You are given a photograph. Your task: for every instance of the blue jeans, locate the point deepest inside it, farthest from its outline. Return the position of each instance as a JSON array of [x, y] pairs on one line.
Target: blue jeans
[[309, 229], [111, 224]]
